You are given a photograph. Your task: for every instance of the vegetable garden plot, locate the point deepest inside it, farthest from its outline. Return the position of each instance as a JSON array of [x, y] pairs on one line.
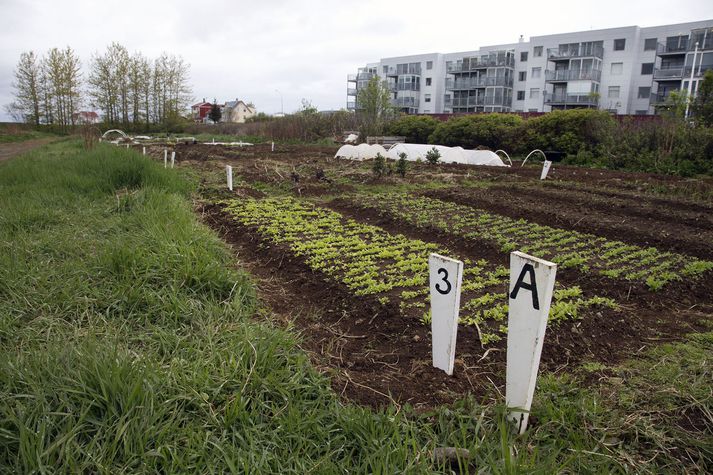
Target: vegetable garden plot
[[391, 268], [585, 252]]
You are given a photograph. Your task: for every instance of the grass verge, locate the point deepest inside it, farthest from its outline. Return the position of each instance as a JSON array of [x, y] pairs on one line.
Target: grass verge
[[127, 346]]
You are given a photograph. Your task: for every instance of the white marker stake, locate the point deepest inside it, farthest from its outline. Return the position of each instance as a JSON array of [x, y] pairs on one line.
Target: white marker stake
[[143, 150], [165, 158], [229, 173], [532, 283], [273, 146], [173, 158], [127, 146], [445, 277], [545, 169]]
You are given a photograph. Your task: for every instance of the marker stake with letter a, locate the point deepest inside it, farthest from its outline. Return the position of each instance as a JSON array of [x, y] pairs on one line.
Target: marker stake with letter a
[[532, 283], [445, 278]]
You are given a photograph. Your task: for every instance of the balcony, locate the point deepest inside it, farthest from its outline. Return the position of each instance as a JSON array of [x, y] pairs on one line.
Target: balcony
[[661, 98], [351, 105], [564, 75], [351, 77], [390, 72], [586, 100], [556, 54], [475, 64], [363, 76], [408, 86], [668, 74], [475, 83], [664, 50], [351, 91], [406, 102], [700, 70]]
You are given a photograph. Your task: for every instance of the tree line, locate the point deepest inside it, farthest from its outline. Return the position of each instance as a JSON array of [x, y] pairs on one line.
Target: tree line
[[129, 90]]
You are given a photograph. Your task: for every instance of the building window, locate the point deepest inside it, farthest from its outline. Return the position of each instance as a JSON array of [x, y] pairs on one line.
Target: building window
[[613, 92], [620, 44], [642, 112], [386, 69], [429, 64], [523, 56], [522, 75], [536, 73], [650, 44], [532, 110], [520, 95], [428, 81], [537, 51], [534, 93], [427, 98], [647, 68], [644, 92], [617, 69]]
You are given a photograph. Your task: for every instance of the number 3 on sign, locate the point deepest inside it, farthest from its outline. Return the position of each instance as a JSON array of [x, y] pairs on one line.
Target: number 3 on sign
[[445, 277]]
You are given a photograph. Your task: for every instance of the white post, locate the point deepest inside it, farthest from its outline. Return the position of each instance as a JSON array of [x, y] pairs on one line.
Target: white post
[[173, 158], [273, 146], [545, 169], [445, 278], [229, 173], [165, 158], [532, 282], [144, 150], [689, 97]]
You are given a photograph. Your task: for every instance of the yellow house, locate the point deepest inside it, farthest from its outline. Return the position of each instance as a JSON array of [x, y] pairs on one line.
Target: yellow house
[[238, 111]]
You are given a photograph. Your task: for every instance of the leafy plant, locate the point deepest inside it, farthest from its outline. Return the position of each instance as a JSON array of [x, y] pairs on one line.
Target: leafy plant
[[433, 155], [379, 165], [402, 164]]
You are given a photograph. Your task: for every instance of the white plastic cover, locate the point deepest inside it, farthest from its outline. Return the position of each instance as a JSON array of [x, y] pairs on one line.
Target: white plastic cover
[[416, 152], [360, 152]]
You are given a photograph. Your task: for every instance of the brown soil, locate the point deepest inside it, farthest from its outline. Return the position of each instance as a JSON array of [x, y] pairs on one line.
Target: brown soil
[[13, 149], [374, 355]]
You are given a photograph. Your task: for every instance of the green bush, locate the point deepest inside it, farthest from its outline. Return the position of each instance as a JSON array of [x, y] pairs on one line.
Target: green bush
[[433, 155], [416, 129], [402, 165], [493, 131], [569, 131]]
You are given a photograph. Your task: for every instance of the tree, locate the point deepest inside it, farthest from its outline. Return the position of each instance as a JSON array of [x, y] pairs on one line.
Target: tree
[[402, 165], [379, 166], [702, 106], [433, 155], [61, 70], [215, 114], [27, 89], [374, 106]]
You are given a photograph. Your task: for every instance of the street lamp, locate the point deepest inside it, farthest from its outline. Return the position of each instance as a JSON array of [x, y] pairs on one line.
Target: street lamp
[[282, 109], [689, 96]]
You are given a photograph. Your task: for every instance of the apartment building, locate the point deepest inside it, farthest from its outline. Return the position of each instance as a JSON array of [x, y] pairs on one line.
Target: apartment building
[[627, 70]]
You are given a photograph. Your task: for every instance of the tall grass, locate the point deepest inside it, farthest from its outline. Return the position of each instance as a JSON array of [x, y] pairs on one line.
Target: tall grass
[[127, 346]]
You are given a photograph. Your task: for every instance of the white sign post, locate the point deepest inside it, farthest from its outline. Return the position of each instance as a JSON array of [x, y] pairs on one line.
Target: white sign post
[[532, 283], [445, 278], [173, 158], [229, 173], [165, 158], [545, 169], [273, 146], [143, 150]]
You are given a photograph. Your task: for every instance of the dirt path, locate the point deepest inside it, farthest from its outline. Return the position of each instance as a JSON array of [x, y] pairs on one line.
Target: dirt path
[[10, 150]]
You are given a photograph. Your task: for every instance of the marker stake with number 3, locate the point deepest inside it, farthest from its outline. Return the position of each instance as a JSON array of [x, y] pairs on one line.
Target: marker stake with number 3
[[445, 277]]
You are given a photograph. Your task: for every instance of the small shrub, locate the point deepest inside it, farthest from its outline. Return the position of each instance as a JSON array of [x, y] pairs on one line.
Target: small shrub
[[379, 166], [433, 155], [402, 164]]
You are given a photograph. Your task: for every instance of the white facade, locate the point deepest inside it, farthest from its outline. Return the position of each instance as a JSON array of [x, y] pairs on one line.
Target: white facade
[[627, 70]]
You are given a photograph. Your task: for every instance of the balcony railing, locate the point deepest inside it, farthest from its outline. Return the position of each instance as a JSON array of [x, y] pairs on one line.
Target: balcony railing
[[700, 70], [474, 83], [563, 75], [351, 91], [472, 101], [390, 72], [365, 76], [661, 98], [554, 54], [572, 99], [351, 77], [351, 105], [680, 48], [508, 62], [410, 86], [669, 73], [406, 102]]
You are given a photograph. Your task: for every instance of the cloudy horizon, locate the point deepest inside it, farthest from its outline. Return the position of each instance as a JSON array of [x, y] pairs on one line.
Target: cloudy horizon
[[276, 52]]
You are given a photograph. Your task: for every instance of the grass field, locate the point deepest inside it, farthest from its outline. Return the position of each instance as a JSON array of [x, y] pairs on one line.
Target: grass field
[[132, 342]]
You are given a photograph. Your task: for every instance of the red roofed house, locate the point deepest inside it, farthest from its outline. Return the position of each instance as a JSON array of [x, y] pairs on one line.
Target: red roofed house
[[85, 117], [200, 111]]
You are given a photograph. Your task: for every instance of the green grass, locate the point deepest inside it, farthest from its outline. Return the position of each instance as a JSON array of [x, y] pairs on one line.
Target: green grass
[[127, 346], [10, 135]]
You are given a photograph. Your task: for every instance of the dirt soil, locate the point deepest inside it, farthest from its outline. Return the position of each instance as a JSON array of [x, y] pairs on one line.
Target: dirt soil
[[372, 354], [13, 149]]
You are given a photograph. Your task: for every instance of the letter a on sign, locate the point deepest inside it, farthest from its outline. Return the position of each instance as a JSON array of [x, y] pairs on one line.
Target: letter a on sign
[[445, 277], [532, 283]]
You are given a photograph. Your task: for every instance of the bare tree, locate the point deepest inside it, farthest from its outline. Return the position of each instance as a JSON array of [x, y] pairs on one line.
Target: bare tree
[[62, 72], [27, 89]]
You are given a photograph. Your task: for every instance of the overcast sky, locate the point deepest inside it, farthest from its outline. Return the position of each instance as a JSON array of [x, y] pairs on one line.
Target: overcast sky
[[303, 49]]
